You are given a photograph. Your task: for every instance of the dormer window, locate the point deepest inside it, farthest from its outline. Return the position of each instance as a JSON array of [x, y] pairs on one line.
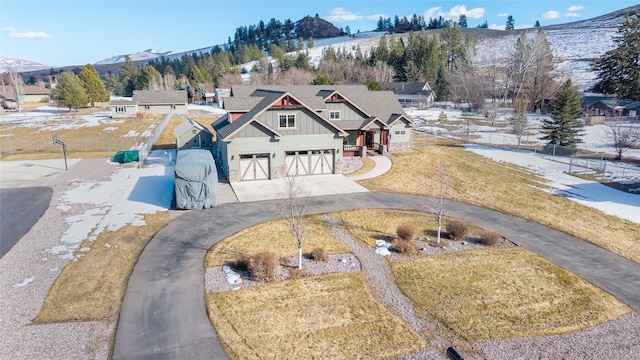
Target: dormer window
[[334, 115]]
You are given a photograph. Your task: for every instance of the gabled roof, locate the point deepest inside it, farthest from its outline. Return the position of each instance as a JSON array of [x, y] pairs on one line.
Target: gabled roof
[[398, 117], [7, 96], [35, 90], [170, 97], [188, 125], [267, 97], [381, 104], [122, 103], [406, 88]]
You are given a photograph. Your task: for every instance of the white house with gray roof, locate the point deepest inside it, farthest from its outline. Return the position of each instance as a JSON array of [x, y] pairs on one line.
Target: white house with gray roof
[[272, 131], [151, 102]]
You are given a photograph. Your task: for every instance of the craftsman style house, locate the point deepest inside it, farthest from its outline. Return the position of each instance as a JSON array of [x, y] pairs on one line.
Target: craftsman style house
[[272, 131]]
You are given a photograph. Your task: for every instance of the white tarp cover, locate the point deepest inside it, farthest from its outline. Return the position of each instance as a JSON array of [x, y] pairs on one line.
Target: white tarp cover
[[196, 179]]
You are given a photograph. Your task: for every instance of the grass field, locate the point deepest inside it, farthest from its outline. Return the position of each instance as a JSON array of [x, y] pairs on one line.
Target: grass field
[[369, 225], [273, 236], [93, 287], [509, 189], [500, 293], [367, 165], [323, 317]]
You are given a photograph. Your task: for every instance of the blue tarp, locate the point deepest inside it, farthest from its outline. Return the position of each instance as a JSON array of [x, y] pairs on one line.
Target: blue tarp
[[126, 156]]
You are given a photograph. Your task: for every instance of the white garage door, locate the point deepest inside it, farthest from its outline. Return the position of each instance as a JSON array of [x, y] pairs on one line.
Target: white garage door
[[309, 162], [254, 167]]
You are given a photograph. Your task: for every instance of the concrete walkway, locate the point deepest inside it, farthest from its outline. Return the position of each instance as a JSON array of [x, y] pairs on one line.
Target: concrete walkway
[[163, 315], [383, 164]]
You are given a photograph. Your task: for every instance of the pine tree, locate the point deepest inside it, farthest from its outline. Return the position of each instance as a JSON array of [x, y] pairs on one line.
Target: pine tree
[[462, 21], [510, 22], [69, 92], [564, 127], [90, 81], [619, 69]]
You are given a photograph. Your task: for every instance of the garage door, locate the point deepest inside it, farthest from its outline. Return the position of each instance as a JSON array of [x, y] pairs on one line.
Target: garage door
[[309, 162], [254, 167]]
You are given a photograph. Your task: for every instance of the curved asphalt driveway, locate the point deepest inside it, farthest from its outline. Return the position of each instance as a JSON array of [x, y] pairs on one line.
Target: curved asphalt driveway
[[163, 315], [20, 209]]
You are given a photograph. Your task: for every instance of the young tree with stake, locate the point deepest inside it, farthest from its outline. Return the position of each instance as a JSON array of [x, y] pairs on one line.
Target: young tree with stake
[[437, 192], [293, 211]]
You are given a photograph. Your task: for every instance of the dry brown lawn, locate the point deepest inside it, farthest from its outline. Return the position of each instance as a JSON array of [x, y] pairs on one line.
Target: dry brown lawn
[[330, 317], [93, 287], [82, 141], [510, 189], [500, 293], [369, 225], [273, 236], [367, 165]]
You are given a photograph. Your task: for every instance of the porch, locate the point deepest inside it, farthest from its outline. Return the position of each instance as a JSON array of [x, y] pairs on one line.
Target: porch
[[363, 142]]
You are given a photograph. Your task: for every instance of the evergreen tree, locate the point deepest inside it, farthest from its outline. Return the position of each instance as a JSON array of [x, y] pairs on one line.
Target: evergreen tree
[[537, 24], [564, 126], [411, 72], [462, 21], [310, 43], [90, 81], [484, 25], [442, 82], [69, 91], [110, 82], [128, 68], [619, 69], [373, 85], [510, 22]]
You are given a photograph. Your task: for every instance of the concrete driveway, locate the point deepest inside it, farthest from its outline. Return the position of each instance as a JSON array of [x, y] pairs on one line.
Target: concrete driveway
[[315, 185]]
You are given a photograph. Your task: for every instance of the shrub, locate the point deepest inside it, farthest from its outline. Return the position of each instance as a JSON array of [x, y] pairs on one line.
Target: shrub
[[406, 231], [406, 247], [242, 263], [264, 266], [295, 273], [457, 230], [319, 254], [489, 237]]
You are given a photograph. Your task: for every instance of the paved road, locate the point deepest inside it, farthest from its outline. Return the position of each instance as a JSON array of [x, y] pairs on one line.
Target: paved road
[[163, 314], [20, 209]]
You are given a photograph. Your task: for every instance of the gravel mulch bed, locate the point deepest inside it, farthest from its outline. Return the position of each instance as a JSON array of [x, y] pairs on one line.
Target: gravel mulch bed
[[215, 280], [28, 271]]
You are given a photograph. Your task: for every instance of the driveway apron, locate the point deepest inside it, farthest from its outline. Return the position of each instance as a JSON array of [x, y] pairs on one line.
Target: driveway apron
[[163, 315]]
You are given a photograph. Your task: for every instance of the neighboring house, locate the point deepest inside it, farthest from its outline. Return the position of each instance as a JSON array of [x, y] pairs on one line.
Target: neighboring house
[[123, 108], [151, 102], [610, 107], [273, 131], [192, 135], [417, 94], [35, 94], [161, 102], [221, 94], [8, 102]]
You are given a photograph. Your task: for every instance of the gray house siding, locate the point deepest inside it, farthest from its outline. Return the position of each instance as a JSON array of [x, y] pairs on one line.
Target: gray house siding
[[400, 137], [347, 111], [307, 123]]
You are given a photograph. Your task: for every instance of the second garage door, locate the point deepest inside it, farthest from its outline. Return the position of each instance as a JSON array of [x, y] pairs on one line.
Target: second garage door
[[309, 162]]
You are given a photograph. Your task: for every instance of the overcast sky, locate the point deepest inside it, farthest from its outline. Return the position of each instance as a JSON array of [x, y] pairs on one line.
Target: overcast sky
[[77, 32]]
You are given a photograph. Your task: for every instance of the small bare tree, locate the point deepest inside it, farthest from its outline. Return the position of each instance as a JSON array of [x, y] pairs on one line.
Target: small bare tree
[[518, 121], [622, 135], [15, 80], [437, 192], [293, 210]]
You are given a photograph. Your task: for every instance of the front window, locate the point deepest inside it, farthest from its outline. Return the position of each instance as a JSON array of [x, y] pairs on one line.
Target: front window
[[334, 115], [287, 121], [120, 109]]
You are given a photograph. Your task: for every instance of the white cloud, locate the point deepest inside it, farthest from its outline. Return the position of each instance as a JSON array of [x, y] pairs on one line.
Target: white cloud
[[572, 14], [575, 8], [551, 15], [454, 13], [342, 15], [15, 33], [376, 17]]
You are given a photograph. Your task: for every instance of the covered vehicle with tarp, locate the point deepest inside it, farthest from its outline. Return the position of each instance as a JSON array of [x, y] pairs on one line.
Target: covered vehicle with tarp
[[196, 179], [126, 156]]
